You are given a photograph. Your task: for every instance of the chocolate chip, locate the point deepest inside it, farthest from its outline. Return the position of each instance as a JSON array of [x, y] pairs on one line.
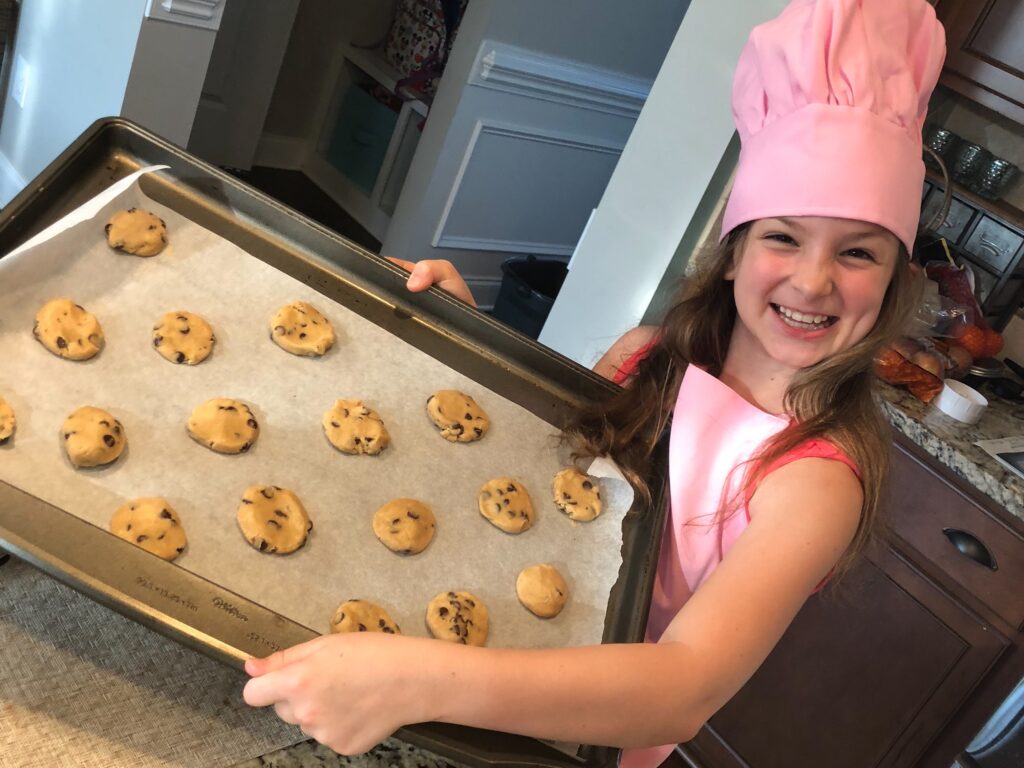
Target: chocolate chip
[[388, 630], [117, 427], [274, 523], [245, 500], [161, 537], [184, 331], [129, 524], [511, 489], [279, 330], [442, 612], [358, 441], [362, 627], [264, 494], [470, 603], [413, 515], [262, 545], [141, 538], [478, 431], [180, 357], [61, 343], [245, 447], [309, 526], [166, 514], [157, 341], [179, 550], [104, 422], [252, 423], [109, 440], [279, 513], [587, 485], [68, 434], [302, 335], [335, 424], [381, 623], [107, 229]]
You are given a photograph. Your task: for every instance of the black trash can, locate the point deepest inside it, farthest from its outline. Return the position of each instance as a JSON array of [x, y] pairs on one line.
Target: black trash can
[[528, 289]]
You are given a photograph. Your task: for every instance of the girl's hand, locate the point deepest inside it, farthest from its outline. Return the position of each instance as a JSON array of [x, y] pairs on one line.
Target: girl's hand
[[347, 691], [439, 272]]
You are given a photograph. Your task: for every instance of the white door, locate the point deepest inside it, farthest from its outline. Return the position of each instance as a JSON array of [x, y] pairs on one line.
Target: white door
[[240, 80]]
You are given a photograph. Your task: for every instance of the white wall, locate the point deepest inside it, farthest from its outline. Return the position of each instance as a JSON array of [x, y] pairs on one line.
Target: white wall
[[677, 146], [80, 54], [608, 35]]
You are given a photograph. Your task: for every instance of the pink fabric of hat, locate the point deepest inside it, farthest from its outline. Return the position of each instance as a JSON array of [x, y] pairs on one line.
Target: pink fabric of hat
[[829, 99]]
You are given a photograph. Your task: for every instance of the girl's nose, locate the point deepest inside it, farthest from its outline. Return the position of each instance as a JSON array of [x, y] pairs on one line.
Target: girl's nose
[[812, 274]]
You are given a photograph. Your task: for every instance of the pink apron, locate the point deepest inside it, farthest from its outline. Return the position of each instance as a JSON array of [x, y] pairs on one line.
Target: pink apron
[[714, 430]]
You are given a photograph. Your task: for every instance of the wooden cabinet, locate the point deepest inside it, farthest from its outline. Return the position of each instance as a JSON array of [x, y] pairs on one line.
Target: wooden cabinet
[[985, 58], [904, 663]]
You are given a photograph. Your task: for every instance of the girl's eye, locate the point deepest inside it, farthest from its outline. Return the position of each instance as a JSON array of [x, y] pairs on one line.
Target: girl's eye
[[860, 254], [780, 237]]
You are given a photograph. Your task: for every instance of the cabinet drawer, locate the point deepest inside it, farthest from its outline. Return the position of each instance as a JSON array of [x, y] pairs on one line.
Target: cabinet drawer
[[926, 510], [957, 218], [993, 243]]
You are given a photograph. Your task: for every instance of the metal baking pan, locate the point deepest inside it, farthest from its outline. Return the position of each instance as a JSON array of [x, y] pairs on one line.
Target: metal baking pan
[[201, 614]]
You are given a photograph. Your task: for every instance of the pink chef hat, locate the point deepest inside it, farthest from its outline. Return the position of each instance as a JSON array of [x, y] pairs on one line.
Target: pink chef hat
[[829, 99]]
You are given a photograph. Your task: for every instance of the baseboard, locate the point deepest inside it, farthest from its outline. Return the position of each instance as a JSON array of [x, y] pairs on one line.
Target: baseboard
[[484, 290], [11, 182], [276, 151]]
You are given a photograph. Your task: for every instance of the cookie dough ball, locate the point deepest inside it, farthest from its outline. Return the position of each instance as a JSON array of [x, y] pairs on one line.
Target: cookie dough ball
[[299, 328], [405, 526], [224, 425], [150, 523], [506, 504], [542, 590], [7, 421], [137, 232], [182, 337], [458, 617], [457, 415], [273, 519], [67, 330], [577, 494], [362, 616], [354, 428], [93, 437]]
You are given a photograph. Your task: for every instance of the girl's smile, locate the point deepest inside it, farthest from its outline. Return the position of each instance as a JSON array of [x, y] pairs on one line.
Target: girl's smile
[[805, 289]]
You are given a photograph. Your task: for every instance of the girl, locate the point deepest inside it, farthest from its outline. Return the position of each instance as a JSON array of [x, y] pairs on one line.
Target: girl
[[762, 370]]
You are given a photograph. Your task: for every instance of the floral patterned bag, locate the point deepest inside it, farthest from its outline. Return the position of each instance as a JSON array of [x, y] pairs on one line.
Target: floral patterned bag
[[420, 40]]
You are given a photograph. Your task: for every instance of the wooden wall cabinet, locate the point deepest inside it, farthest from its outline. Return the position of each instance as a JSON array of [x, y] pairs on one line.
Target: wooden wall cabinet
[[905, 664], [985, 58]]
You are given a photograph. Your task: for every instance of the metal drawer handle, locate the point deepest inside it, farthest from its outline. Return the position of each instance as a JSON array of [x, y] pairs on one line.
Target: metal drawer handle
[[970, 546], [990, 246]]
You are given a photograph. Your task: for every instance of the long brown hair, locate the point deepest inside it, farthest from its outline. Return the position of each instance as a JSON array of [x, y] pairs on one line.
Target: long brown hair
[[832, 399]]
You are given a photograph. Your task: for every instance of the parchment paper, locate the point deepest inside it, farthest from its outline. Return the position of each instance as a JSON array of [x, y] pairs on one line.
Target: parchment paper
[[205, 274]]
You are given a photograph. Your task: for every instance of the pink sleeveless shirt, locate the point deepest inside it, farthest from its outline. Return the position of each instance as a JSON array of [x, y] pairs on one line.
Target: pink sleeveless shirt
[[714, 431]]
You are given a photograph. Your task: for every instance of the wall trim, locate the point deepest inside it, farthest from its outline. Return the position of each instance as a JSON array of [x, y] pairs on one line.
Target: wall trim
[[11, 182], [277, 151], [441, 239], [517, 70]]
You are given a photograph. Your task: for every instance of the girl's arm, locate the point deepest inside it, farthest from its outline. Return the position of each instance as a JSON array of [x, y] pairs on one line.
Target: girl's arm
[[351, 691], [627, 345]]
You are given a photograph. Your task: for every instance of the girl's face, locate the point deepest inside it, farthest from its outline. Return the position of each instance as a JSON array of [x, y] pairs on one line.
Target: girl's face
[[807, 287]]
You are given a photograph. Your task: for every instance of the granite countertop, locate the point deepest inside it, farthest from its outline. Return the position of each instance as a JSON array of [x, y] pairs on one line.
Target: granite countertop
[[392, 753], [952, 442]]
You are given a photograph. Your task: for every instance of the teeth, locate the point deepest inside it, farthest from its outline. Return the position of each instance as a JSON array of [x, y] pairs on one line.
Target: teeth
[[800, 317]]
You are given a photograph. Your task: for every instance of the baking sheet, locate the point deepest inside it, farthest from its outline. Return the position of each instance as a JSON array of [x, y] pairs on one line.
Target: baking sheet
[[203, 273]]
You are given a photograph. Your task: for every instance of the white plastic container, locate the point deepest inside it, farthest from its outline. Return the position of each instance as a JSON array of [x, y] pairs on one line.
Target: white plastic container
[[961, 402]]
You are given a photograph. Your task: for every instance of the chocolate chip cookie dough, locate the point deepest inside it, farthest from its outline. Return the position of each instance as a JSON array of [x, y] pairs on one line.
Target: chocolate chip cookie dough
[[362, 616], [299, 328], [577, 494], [457, 415], [458, 617], [150, 523], [7, 421], [354, 428], [224, 425], [68, 330], [273, 520], [137, 232], [92, 437], [506, 504], [405, 526], [542, 590], [182, 337]]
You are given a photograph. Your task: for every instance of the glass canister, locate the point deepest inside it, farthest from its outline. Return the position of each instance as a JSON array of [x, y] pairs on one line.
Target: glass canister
[[969, 161], [994, 178]]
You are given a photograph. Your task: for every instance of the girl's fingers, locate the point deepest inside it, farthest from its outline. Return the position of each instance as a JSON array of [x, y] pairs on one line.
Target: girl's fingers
[[284, 711], [274, 661], [264, 690], [406, 265]]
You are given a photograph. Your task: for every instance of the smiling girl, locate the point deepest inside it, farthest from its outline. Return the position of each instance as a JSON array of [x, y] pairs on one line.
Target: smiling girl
[[762, 374]]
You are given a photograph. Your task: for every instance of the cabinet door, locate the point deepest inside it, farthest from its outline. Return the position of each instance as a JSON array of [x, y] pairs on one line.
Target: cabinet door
[[863, 678], [985, 59]]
